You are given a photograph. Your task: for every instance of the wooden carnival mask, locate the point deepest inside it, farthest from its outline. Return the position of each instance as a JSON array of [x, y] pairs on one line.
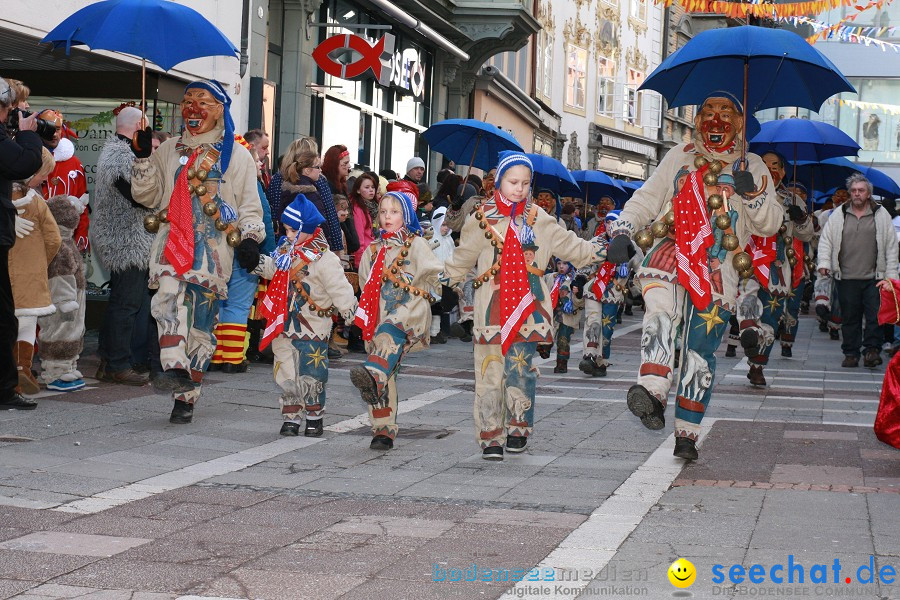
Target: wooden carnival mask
[[775, 166], [719, 122], [200, 110]]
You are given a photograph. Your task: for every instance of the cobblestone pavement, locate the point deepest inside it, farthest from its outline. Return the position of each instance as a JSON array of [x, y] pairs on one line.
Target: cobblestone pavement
[[100, 497]]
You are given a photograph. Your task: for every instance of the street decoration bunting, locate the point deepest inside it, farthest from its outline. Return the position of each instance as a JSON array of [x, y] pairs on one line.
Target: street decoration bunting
[[737, 10], [891, 109]]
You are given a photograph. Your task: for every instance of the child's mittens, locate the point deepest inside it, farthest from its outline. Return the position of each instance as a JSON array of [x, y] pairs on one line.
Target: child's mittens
[[23, 226], [568, 307]]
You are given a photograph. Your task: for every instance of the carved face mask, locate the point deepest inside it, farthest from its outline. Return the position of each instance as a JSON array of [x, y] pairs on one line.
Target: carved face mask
[[200, 111], [604, 206], [488, 182], [775, 166], [547, 202], [719, 122]]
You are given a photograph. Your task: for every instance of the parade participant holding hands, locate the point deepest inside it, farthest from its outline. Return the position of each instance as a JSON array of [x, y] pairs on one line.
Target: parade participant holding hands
[[510, 320], [400, 275], [204, 185], [308, 287], [693, 260]]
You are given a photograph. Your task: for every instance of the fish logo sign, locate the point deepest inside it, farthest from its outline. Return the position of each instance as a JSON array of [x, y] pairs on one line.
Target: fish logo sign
[[376, 58]]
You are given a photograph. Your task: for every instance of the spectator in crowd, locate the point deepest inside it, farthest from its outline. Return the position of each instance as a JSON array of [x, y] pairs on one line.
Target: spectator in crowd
[[569, 220], [858, 248], [388, 174], [336, 169], [158, 138], [259, 141], [68, 176], [29, 260], [415, 170], [123, 248], [447, 191], [22, 92], [362, 200], [20, 157]]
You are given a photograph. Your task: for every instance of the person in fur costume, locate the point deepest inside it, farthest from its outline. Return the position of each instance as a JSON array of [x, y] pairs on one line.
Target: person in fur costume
[[62, 333], [28, 263]]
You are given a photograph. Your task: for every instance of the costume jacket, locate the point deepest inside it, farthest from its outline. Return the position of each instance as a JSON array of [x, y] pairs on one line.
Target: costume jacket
[[68, 178], [421, 269], [477, 251], [564, 313], [31, 256], [760, 215], [782, 276], [152, 182]]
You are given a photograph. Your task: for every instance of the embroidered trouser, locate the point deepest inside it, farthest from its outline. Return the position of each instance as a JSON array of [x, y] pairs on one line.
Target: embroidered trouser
[[599, 324], [668, 307], [62, 340], [825, 292], [760, 309], [792, 315], [385, 351], [563, 341], [301, 371], [185, 314], [504, 392]]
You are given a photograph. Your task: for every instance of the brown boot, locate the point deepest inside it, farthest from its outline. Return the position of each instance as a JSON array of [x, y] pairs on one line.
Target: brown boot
[[756, 376], [562, 366], [24, 356]]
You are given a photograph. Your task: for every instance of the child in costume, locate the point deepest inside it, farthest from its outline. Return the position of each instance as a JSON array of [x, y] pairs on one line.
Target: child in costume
[[62, 333], [566, 306], [308, 286], [399, 274], [510, 321], [443, 245]]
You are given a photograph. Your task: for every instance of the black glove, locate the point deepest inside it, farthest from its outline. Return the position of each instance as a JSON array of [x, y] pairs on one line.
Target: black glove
[[578, 285], [247, 254], [796, 213], [620, 249], [142, 143], [743, 182]]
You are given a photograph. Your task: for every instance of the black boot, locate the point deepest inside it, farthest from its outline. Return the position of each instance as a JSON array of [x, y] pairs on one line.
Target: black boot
[[750, 342], [182, 413], [646, 407], [685, 448], [562, 366], [313, 428], [467, 327], [730, 351], [755, 375], [786, 351], [544, 350], [355, 342]]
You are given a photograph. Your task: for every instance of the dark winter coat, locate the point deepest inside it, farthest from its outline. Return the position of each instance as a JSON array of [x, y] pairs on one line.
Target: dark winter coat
[[19, 158]]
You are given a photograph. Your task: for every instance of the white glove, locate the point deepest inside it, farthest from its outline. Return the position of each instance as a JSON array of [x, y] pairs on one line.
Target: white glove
[[23, 226]]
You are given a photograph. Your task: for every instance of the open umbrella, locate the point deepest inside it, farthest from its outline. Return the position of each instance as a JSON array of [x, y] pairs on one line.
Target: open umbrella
[[630, 187], [765, 67], [802, 139], [468, 141], [549, 173], [596, 184], [163, 32], [833, 173]]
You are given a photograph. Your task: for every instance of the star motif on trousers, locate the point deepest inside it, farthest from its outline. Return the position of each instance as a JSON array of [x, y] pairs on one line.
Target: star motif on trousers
[[317, 358], [773, 303], [711, 319], [791, 294], [605, 321], [208, 298], [520, 361]]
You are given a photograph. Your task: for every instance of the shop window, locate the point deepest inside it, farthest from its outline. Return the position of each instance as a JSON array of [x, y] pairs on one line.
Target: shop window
[[631, 112], [542, 145], [606, 86], [576, 77]]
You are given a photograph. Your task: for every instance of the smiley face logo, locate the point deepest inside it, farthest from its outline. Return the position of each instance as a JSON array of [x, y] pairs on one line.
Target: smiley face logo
[[682, 573]]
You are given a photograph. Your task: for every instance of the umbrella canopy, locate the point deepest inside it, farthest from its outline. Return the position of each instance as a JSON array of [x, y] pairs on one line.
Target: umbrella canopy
[[783, 70], [630, 187], [470, 142], [596, 184], [801, 139], [833, 173], [549, 173], [163, 32]]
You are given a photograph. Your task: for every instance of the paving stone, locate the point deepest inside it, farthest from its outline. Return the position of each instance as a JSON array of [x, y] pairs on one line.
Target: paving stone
[[10, 587], [104, 524], [272, 585], [219, 555], [140, 575], [53, 590], [38, 566], [76, 544], [817, 474]]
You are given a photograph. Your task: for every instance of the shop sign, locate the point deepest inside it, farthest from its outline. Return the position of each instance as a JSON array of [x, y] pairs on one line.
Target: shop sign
[[401, 69]]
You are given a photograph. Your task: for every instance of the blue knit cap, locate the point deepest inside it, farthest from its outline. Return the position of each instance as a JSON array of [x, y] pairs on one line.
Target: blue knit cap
[[302, 215], [218, 92], [410, 220], [511, 158]]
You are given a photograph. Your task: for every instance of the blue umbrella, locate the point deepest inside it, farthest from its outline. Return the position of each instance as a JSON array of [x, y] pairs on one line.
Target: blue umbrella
[[801, 139], [631, 187], [767, 67], [833, 173], [467, 141], [165, 33], [597, 184], [549, 173]]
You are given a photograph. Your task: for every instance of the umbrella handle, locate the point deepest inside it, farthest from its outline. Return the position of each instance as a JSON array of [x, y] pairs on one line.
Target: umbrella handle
[[743, 164], [472, 162]]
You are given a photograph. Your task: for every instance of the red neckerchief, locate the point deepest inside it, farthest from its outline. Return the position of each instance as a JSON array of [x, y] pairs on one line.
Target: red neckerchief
[[763, 250], [516, 300], [554, 292], [179, 249], [799, 254], [366, 317], [604, 276], [693, 236], [273, 307]]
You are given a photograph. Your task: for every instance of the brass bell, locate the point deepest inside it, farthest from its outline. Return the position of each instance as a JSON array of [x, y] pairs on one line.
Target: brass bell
[[233, 239], [384, 278], [710, 178], [730, 242], [745, 274], [792, 260], [482, 225], [494, 243], [715, 167], [396, 285], [311, 308], [407, 244], [191, 188], [202, 174], [210, 209], [479, 216], [404, 253], [488, 235], [221, 225], [742, 261], [164, 215], [659, 229], [393, 270], [644, 239], [476, 284], [700, 162], [669, 218], [151, 223], [788, 240], [416, 292], [782, 229], [715, 201], [192, 172], [790, 253], [200, 190], [494, 271], [485, 278], [723, 222]]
